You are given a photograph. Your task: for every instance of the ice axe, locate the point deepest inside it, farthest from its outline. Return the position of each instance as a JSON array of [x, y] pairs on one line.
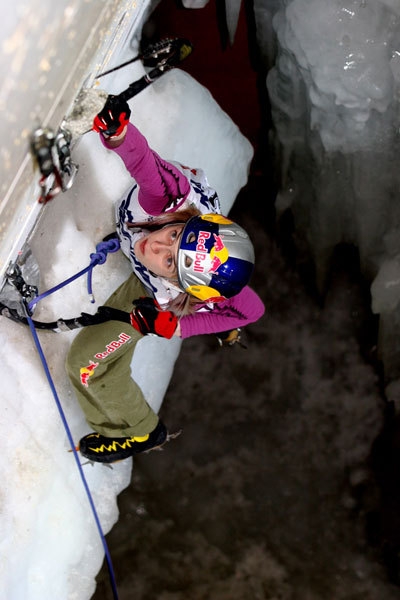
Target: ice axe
[[160, 57], [168, 51], [51, 151]]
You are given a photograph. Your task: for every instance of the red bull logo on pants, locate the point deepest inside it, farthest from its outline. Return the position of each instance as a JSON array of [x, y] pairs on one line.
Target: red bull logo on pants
[[86, 372]]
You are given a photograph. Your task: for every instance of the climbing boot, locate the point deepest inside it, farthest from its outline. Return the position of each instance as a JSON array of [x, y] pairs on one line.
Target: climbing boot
[[98, 448]]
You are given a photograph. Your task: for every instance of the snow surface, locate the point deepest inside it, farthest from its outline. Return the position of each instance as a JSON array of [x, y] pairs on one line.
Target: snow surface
[[50, 547]]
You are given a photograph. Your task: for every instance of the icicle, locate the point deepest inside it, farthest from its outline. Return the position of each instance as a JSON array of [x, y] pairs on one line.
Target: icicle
[[194, 3], [232, 9]]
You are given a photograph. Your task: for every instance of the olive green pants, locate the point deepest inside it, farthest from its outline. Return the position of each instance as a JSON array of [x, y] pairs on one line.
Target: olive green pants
[[98, 365]]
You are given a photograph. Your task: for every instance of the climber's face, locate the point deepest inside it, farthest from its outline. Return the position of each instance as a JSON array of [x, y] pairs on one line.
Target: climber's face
[[158, 250]]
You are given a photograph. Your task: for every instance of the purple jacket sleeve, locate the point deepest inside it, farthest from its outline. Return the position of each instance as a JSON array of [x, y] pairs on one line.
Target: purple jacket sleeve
[[244, 308], [161, 185]]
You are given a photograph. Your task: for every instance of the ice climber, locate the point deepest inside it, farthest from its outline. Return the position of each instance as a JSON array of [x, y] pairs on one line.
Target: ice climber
[[191, 267]]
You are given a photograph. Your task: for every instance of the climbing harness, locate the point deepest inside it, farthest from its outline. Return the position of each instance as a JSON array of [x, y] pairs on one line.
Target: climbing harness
[[52, 154], [30, 297], [97, 258]]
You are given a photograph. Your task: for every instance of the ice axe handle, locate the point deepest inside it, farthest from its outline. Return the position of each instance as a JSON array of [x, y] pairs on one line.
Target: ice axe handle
[[179, 49], [137, 86]]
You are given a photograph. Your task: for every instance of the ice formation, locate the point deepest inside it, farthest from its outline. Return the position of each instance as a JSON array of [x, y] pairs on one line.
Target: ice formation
[[334, 91], [232, 10]]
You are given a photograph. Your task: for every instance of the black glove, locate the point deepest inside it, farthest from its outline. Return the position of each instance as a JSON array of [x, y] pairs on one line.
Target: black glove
[[112, 119]]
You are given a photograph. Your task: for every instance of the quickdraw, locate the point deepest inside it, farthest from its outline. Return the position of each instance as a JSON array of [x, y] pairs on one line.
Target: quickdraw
[[52, 154], [51, 150]]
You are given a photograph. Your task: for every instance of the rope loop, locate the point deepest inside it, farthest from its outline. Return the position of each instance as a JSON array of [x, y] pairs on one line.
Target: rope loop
[[98, 258], [102, 249]]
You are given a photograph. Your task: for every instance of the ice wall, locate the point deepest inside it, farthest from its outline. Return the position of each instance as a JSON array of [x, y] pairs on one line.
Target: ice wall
[[334, 91], [49, 50], [50, 547]]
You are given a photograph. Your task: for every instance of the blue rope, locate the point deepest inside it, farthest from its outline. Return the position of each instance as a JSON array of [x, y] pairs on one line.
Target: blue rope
[[71, 441], [99, 257]]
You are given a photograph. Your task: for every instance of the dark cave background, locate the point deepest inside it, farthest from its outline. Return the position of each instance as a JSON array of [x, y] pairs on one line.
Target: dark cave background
[[285, 482]]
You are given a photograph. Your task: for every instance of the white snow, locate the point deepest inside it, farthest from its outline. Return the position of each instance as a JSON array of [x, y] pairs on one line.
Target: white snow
[[50, 547]]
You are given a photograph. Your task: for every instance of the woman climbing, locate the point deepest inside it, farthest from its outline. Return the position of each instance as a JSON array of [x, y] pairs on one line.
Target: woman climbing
[[190, 267]]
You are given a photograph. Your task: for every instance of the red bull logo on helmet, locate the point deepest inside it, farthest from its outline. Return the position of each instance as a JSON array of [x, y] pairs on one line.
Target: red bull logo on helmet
[[218, 253]]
